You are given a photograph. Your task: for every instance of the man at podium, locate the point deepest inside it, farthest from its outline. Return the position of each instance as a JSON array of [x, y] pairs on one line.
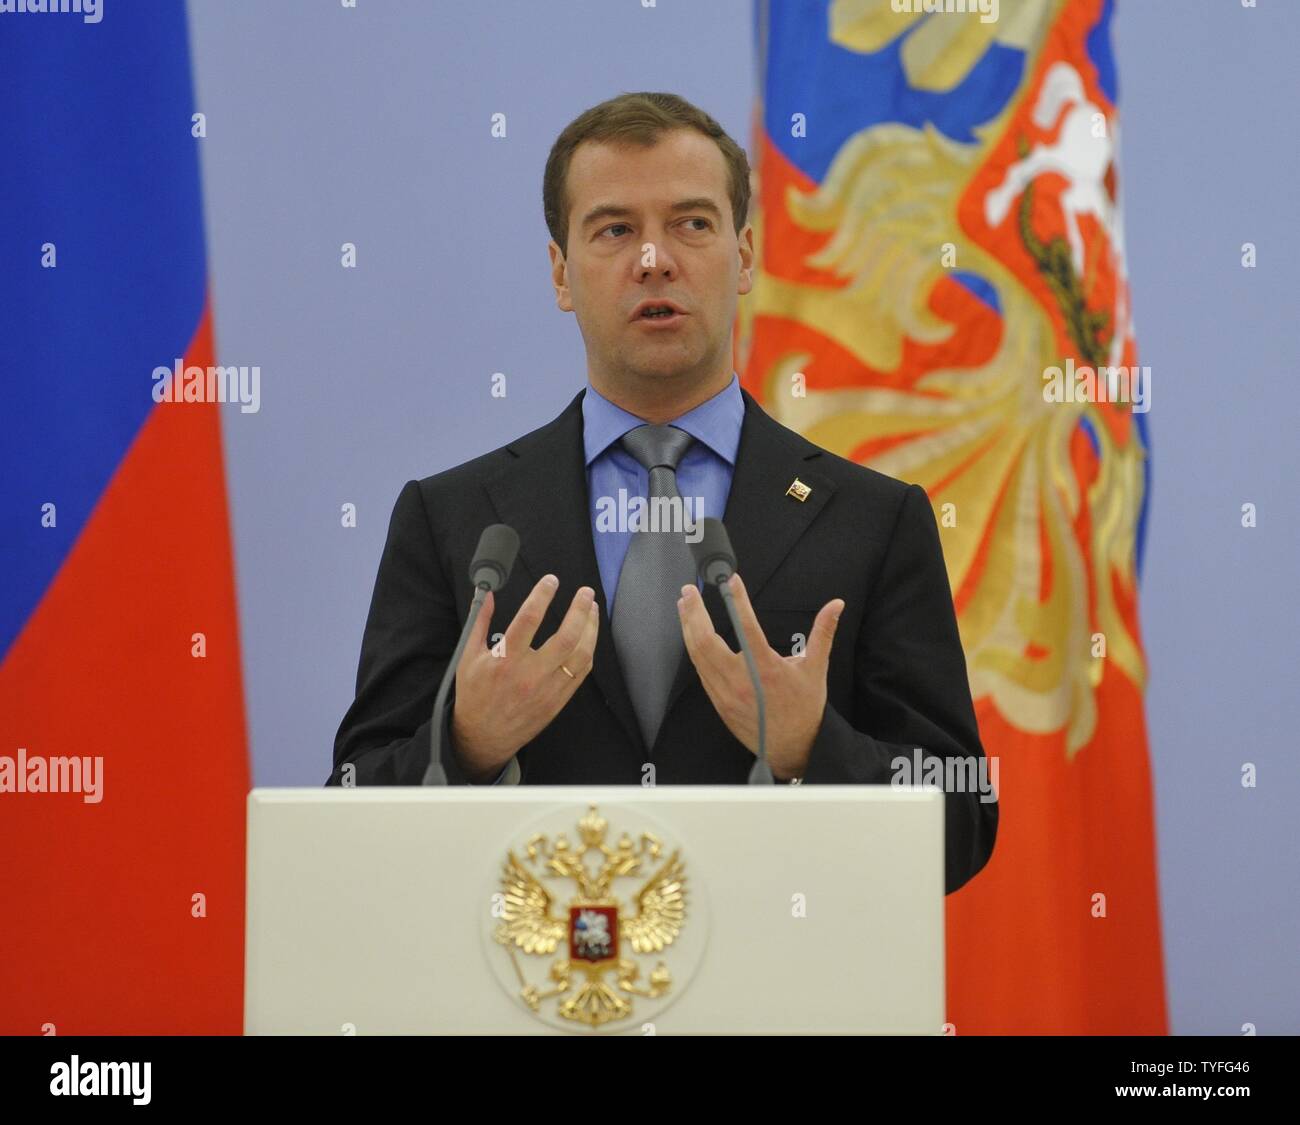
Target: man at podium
[[605, 660]]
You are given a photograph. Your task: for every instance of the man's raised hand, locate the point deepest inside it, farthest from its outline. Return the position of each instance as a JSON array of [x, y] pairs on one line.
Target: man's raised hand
[[507, 695]]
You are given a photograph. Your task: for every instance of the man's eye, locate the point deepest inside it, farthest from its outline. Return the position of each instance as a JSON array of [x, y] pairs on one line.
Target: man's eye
[[707, 225]]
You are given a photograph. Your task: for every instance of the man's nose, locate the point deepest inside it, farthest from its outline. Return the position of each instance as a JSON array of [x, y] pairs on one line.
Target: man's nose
[[654, 258]]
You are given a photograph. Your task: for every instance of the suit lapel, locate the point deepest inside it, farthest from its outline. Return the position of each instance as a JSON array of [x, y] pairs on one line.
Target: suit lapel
[[762, 522], [543, 496]]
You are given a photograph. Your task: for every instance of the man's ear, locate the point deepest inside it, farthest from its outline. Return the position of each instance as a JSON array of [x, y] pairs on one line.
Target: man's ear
[[560, 276], [746, 240]]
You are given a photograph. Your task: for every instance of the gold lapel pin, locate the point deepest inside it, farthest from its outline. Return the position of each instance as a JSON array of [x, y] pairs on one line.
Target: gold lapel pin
[[798, 490]]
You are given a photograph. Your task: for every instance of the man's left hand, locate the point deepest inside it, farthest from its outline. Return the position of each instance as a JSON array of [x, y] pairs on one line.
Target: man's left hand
[[794, 687]]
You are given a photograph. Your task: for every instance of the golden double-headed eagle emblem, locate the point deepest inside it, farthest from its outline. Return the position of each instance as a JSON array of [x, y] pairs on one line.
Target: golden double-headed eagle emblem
[[595, 935]]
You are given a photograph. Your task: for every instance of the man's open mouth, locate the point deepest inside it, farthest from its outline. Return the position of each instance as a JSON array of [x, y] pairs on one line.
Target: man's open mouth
[[660, 313]]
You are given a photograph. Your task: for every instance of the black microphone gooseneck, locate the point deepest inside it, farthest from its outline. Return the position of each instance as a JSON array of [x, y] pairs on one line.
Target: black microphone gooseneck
[[716, 563], [490, 570]]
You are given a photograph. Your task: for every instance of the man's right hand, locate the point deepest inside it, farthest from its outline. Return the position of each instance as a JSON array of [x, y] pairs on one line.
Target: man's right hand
[[505, 696]]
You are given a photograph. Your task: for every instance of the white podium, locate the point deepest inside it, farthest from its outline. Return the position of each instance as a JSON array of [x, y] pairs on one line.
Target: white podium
[[595, 910]]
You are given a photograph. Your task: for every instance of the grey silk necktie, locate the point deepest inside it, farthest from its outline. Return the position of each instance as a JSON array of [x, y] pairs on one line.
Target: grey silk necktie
[[645, 627]]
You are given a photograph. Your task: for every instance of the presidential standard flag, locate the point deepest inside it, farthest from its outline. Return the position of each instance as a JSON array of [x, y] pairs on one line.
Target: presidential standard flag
[[942, 295]]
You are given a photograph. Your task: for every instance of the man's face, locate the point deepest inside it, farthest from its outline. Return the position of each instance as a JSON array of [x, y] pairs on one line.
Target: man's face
[[629, 243]]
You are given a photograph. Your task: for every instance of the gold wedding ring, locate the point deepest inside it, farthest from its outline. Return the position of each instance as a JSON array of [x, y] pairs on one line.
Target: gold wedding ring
[[567, 672]]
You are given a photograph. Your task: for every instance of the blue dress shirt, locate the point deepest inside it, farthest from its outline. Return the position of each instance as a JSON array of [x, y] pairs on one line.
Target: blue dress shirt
[[703, 476]]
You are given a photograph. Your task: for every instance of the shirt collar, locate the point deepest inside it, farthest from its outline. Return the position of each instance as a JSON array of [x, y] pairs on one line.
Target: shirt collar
[[716, 422]]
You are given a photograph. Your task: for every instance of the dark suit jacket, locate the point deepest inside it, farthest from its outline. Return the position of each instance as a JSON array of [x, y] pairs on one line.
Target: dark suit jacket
[[897, 676]]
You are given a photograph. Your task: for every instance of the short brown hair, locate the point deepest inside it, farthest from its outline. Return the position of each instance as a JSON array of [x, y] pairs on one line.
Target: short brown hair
[[640, 119]]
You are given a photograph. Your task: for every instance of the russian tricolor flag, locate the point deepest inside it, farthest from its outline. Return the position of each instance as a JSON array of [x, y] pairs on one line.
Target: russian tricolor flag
[[123, 759]]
